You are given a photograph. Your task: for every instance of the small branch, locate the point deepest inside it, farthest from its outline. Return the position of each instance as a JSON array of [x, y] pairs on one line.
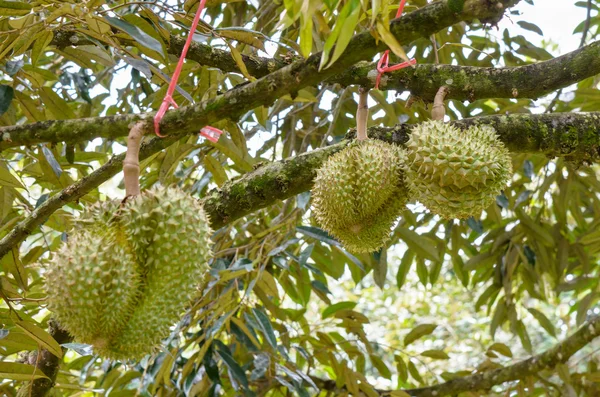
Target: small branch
[[486, 380], [131, 163], [362, 114], [438, 111], [586, 27]]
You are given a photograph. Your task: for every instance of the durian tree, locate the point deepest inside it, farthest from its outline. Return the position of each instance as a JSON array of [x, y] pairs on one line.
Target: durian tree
[[356, 229]]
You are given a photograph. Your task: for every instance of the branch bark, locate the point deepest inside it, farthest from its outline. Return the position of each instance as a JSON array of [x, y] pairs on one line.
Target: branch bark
[[48, 363], [485, 380], [466, 83], [571, 135], [290, 79]]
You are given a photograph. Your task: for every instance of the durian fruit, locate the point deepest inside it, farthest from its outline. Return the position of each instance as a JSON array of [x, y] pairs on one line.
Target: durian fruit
[[456, 173], [127, 272], [359, 193]]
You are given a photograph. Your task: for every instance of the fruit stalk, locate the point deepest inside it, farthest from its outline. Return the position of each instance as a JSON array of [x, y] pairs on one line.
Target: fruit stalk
[[362, 114], [438, 111], [131, 163]]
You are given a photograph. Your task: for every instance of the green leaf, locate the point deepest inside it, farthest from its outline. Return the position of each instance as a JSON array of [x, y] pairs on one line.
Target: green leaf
[[306, 33], [14, 8], [380, 269], [316, 233], [543, 320], [56, 105], [502, 349], [418, 332], [41, 337], [6, 96], [213, 166], [404, 268], [338, 28], [137, 34], [20, 372], [389, 39], [7, 179], [537, 230], [421, 245], [266, 327], [331, 310], [378, 363], [234, 368], [11, 263], [531, 27], [414, 372], [346, 34], [435, 354]]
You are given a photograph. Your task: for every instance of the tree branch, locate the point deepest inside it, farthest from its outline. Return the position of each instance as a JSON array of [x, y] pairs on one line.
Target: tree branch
[[290, 79], [471, 82], [571, 135], [485, 380], [47, 362]]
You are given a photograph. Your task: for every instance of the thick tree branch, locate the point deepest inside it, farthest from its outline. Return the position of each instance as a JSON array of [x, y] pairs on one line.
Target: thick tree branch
[[290, 79], [575, 136], [464, 83], [471, 82], [485, 380]]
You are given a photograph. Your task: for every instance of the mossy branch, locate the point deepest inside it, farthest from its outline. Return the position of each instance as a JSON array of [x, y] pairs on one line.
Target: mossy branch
[[572, 135], [486, 380], [234, 103]]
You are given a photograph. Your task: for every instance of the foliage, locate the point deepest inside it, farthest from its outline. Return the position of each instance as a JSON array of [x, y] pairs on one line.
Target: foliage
[[285, 308]]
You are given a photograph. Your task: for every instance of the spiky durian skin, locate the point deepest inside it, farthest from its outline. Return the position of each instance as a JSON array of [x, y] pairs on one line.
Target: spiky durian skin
[[456, 173], [359, 193], [177, 255], [127, 272]]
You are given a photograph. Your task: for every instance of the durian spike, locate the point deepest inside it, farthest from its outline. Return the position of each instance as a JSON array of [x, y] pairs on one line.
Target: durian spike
[[131, 163], [438, 111], [362, 114]]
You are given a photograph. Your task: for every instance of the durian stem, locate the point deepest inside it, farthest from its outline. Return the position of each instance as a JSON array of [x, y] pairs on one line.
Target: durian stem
[[438, 111], [362, 114], [131, 163]]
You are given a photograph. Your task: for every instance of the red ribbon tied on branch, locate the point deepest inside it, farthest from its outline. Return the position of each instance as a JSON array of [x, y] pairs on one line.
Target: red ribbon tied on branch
[[210, 133], [382, 65]]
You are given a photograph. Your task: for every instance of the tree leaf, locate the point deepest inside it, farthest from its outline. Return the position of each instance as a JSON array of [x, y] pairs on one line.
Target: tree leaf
[[418, 332], [435, 354], [316, 233], [421, 245], [389, 39], [20, 372], [331, 310], [6, 96], [347, 32], [378, 363], [239, 61], [14, 8], [265, 326], [380, 269], [501, 348], [7, 179], [137, 34], [234, 368], [531, 27], [41, 336]]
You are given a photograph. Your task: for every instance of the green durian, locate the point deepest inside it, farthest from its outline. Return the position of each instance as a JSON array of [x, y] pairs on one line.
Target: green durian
[[127, 272], [456, 173], [359, 193]]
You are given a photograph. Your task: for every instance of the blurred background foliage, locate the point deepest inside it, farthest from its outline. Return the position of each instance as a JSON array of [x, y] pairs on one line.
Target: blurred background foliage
[[285, 307]]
